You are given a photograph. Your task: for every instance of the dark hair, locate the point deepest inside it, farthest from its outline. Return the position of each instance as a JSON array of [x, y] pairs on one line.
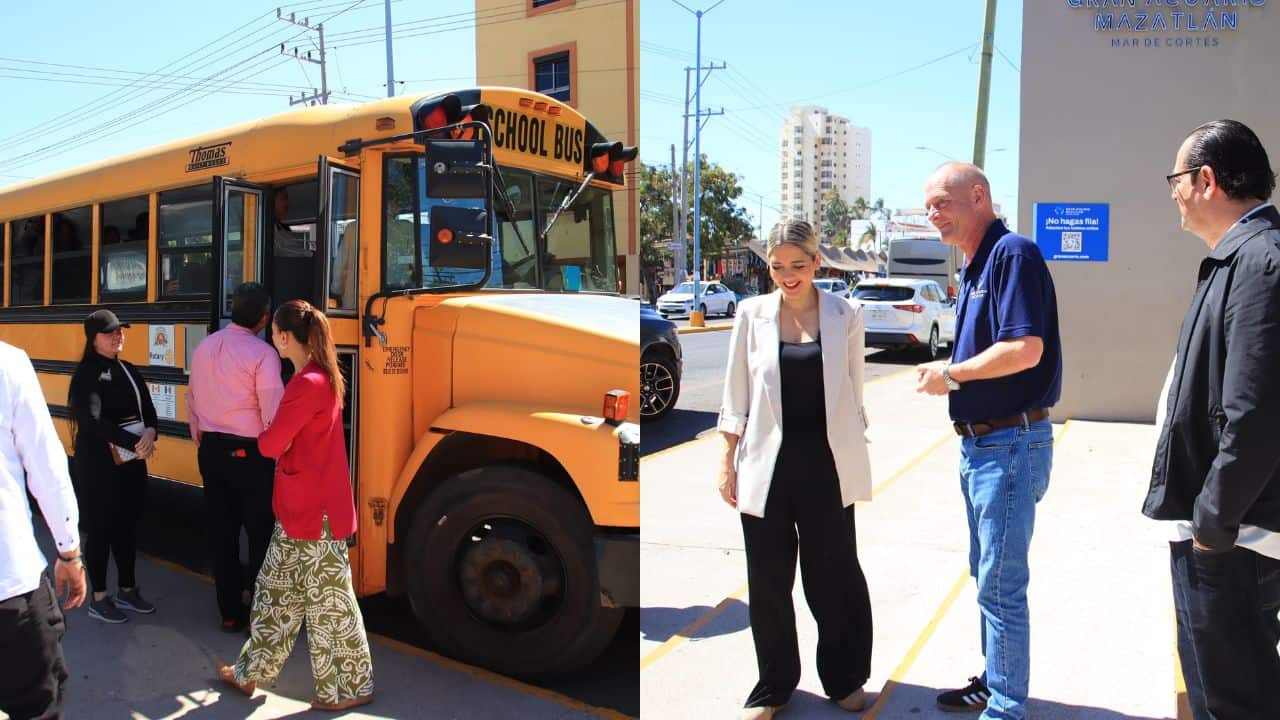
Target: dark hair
[[1237, 157], [89, 355], [310, 327], [249, 303]]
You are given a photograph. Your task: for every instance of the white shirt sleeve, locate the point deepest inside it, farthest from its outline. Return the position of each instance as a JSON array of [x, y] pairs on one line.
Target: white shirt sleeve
[[43, 457]]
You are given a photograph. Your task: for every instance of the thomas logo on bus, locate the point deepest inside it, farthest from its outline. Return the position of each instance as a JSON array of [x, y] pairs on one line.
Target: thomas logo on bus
[[210, 156], [518, 132]]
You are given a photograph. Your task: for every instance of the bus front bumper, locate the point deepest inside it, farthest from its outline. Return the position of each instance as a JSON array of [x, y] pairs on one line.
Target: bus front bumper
[[618, 565]]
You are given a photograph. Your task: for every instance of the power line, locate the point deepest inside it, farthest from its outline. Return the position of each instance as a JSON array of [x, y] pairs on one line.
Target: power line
[[1006, 59], [470, 24], [167, 76]]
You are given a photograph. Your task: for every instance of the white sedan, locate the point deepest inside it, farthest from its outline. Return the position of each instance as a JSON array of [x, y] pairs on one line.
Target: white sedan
[[715, 299], [835, 286], [907, 313]]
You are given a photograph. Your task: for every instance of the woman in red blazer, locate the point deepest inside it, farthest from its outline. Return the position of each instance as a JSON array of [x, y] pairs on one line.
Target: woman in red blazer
[[307, 574]]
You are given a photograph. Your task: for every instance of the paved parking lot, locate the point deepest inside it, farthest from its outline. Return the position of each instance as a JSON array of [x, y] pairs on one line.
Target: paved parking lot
[[1102, 619]]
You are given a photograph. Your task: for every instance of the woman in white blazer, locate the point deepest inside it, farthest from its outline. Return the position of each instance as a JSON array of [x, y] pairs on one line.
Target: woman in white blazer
[[795, 460]]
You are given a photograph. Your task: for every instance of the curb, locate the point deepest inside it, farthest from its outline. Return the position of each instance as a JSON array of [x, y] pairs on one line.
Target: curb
[[708, 328]]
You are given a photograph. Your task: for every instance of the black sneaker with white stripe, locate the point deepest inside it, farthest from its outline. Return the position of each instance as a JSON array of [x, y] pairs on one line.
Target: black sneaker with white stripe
[[968, 699]]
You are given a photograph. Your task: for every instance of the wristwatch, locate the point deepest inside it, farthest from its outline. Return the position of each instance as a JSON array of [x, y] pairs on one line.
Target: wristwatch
[[952, 385]]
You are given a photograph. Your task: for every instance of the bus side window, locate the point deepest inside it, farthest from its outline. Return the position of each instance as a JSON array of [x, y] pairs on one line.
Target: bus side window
[[72, 255], [185, 232], [344, 239], [27, 261], [122, 255]]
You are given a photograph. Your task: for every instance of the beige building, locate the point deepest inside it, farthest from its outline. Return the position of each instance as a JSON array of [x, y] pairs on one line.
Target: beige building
[[1108, 95], [819, 152], [587, 54]]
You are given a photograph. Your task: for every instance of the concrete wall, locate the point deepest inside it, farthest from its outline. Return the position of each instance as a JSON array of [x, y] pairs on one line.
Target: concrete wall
[[604, 43], [1101, 122]]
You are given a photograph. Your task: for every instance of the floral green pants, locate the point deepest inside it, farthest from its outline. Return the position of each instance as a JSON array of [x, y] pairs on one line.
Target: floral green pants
[[311, 580]]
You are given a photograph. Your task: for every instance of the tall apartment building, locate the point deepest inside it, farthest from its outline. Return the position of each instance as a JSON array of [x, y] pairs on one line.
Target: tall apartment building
[[585, 53], [821, 151]]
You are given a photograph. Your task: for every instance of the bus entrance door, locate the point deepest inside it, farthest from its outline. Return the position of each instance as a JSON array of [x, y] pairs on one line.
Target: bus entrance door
[[238, 232]]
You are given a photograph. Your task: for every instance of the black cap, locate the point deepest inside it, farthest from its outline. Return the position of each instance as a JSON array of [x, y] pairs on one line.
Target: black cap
[[101, 321]]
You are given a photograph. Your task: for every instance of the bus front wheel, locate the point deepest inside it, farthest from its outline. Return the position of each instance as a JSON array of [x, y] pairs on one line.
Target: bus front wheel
[[501, 573]]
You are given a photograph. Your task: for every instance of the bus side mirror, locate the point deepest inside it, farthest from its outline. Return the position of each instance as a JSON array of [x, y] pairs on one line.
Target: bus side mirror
[[456, 169], [459, 238]]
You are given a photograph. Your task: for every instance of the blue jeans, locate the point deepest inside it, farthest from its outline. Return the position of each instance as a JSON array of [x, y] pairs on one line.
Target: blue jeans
[[1003, 475]]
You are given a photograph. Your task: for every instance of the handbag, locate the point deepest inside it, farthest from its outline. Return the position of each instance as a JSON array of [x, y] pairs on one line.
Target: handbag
[[122, 455]]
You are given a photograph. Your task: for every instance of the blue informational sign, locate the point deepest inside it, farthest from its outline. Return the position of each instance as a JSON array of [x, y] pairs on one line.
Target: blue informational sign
[[1073, 231]]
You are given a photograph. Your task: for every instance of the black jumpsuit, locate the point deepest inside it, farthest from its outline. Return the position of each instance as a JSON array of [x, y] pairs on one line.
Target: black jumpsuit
[[111, 496], [804, 500]]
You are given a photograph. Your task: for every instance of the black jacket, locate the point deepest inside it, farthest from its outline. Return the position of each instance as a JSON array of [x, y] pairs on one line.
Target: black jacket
[[1217, 460], [102, 398]]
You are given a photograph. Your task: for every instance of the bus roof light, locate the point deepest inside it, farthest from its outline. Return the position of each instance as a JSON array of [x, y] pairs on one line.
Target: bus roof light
[[445, 236], [385, 122], [619, 156], [616, 405]]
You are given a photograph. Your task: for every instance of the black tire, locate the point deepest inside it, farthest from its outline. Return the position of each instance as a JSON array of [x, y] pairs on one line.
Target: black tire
[[659, 386], [931, 348], [703, 309], [730, 310], [483, 539]]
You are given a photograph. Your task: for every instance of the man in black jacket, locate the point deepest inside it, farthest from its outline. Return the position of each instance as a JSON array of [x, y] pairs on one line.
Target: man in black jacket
[[1216, 473]]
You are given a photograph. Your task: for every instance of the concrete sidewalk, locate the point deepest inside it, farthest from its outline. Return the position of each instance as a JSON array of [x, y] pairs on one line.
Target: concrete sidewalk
[[161, 666], [1102, 619]]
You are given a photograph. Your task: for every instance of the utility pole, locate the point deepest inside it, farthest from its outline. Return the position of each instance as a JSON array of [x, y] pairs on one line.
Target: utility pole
[[321, 97], [697, 158], [677, 199], [984, 85], [391, 74]]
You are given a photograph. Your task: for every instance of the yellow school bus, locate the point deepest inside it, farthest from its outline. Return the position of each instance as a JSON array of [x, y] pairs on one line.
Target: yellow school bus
[[463, 245]]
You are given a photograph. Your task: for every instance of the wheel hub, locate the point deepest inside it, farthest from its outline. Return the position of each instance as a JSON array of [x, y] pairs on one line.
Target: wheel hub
[[505, 579]]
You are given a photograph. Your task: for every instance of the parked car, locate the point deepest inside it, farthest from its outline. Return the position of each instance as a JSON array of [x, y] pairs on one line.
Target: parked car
[[835, 286], [661, 363], [907, 313], [716, 299]]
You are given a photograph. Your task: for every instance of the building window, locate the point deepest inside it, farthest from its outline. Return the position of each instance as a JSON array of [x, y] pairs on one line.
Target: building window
[[552, 70], [551, 76], [538, 7]]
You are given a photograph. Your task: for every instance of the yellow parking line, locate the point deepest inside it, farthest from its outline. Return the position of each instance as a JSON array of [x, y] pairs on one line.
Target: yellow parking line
[[687, 631], [900, 672], [912, 464], [440, 660]]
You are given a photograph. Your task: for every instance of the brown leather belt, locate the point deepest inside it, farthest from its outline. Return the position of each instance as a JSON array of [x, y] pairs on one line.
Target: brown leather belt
[[986, 427]]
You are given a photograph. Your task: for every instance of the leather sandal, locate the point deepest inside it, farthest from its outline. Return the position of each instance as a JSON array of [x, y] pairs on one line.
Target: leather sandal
[[227, 674]]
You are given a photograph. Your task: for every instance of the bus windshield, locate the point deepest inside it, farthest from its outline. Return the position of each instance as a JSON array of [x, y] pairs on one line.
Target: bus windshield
[[579, 252]]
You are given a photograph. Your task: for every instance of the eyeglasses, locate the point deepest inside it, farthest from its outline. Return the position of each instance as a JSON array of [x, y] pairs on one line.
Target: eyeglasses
[[1172, 179]]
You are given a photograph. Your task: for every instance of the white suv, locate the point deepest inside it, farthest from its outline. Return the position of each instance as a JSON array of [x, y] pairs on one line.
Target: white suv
[[906, 313], [714, 299], [835, 286]]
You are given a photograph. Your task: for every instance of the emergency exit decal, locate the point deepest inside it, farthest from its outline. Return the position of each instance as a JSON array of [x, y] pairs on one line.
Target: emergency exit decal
[[1073, 232]]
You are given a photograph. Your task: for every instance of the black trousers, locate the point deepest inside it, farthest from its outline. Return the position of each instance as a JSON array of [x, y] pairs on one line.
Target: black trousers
[[1227, 605], [237, 493], [33, 675], [804, 512], [113, 499]]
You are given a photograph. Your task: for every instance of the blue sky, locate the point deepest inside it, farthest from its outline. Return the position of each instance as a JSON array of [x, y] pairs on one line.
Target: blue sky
[[56, 125], [860, 59]]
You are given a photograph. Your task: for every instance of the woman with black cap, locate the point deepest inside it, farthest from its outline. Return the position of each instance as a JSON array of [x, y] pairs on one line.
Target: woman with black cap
[[113, 424]]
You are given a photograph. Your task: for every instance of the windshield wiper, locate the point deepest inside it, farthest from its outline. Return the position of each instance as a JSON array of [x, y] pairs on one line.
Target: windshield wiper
[[568, 200], [511, 207]]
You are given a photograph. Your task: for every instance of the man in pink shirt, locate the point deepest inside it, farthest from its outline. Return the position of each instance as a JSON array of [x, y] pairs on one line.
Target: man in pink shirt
[[233, 394]]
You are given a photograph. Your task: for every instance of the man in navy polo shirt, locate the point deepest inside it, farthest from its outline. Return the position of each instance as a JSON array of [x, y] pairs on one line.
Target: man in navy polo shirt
[[1004, 374]]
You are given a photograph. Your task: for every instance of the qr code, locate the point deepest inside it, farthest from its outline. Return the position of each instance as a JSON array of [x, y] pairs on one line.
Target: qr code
[[1071, 242]]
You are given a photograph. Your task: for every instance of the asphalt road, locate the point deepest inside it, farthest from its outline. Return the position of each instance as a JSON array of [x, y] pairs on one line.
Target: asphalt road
[[703, 381], [173, 529]]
